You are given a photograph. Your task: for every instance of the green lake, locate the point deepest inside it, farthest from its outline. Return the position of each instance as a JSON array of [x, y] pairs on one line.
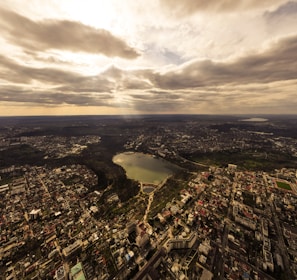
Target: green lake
[[144, 168]]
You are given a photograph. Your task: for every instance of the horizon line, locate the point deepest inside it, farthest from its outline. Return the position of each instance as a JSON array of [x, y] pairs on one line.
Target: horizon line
[[140, 115], [171, 114]]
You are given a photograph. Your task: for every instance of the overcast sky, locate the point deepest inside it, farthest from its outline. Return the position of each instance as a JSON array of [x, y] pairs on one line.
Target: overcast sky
[[142, 57]]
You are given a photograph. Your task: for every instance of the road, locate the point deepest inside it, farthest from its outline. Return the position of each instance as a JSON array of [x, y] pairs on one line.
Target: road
[[150, 200], [281, 242], [190, 161], [221, 262]]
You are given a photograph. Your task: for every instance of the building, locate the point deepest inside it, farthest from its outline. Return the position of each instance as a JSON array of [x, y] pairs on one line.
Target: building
[[72, 249], [181, 243], [149, 270]]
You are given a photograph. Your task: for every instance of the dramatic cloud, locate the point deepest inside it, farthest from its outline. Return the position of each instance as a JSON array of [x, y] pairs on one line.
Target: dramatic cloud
[[159, 56], [275, 64], [127, 79], [63, 35], [61, 80], [284, 18], [283, 12], [21, 95], [14, 72], [188, 7]]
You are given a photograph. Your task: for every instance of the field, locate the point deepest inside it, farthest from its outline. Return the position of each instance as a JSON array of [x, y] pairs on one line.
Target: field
[[283, 185]]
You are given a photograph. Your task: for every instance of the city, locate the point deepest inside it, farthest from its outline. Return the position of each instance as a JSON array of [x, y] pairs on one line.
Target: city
[[148, 140], [68, 212]]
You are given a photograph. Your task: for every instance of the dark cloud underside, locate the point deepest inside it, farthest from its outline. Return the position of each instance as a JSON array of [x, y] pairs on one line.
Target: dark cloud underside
[[192, 82], [63, 35], [14, 72], [279, 63], [282, 12], [188, 7], [50, 97]]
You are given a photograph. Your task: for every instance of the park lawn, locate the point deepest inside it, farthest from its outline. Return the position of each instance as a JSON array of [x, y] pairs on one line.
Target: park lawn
[[283, 185]]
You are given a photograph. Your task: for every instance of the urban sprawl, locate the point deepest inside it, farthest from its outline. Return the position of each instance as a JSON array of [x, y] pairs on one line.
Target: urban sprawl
[[224, 223]]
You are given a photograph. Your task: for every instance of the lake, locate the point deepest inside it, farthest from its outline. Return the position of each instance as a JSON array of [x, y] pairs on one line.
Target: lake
[[255, 120], [144, 168]]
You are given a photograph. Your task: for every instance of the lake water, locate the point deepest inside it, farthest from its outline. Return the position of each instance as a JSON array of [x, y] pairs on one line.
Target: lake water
[[144, 168], [255, 120]]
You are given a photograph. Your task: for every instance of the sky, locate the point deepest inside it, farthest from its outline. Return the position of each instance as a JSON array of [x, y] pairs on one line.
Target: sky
[[93, 57]]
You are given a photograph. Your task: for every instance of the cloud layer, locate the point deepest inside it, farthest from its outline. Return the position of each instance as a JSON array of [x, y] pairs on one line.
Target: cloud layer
[[188, 7], [196, 57], [277, 63], [63, 35]]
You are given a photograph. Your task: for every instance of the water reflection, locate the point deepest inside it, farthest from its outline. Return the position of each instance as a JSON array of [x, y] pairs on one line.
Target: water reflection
[[144, 168]]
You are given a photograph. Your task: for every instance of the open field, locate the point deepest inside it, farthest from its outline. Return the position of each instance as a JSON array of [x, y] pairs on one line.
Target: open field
[[283, 185]]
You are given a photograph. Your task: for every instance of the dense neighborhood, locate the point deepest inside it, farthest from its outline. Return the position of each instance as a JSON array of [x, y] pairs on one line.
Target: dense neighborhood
[[208, 222]]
